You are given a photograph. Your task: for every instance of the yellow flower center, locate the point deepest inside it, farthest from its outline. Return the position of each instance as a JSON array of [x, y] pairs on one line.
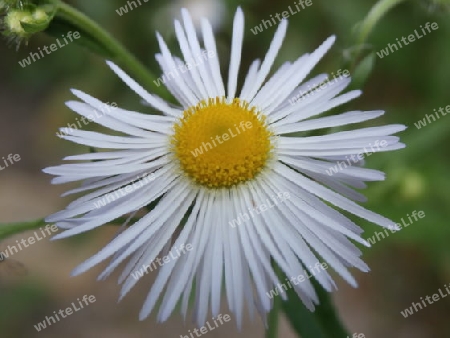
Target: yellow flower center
[[220, 144]]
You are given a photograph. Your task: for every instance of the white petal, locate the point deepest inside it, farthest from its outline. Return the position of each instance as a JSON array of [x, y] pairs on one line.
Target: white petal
[[138, 89], [275, 46], [198, 54], [133, 231], [250, 79], [301, 68], [210, 45], [236, 50], [336, 199], [330, 121], [189, 58]]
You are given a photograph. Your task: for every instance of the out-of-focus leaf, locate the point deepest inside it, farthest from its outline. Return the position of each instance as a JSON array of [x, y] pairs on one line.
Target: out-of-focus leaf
[[322, 323]]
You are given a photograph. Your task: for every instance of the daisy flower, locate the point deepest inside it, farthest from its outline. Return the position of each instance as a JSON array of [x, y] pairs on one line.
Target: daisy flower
[[191, 169]]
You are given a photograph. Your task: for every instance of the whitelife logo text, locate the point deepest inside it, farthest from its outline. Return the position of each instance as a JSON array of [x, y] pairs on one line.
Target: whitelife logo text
[[33, 57], [244, 125], [64, 313]]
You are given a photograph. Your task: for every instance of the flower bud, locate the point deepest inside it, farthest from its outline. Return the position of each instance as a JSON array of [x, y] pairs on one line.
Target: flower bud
[[13, 22], [21, 22]]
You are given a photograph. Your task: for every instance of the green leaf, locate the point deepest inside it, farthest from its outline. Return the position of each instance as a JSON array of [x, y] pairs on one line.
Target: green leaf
[[31, 28], [303, 321], [327, 314], [273, 320], [324, 322]]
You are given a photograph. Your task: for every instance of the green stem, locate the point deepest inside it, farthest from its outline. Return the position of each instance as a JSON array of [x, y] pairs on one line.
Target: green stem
[[272, 330], [10, 229], [114, 48], [372, 18]]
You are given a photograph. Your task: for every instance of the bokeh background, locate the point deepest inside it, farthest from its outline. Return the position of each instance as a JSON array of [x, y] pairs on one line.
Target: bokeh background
[[408, 84]]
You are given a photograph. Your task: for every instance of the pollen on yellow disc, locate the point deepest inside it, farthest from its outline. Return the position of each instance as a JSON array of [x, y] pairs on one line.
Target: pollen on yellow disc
[[220, 144]]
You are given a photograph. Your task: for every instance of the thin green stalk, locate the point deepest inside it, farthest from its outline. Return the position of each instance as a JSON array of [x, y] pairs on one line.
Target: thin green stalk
[[114, 48], [9, 229], [367, 25], [372, 18]]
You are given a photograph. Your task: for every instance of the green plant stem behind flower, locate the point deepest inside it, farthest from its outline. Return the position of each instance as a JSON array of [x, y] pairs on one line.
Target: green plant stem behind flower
[[101, 42], [366, 26], [9, 229]]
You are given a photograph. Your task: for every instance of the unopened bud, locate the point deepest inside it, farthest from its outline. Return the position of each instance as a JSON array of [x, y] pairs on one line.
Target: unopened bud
[[13, 22], [21, 23]]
